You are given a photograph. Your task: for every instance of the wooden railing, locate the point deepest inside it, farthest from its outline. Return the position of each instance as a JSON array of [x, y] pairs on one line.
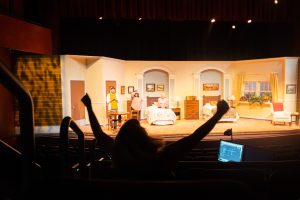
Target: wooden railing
[[14, 86]]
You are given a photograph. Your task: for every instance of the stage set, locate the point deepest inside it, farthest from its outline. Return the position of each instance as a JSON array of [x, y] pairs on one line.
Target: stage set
[[192, 88], [242, 129]]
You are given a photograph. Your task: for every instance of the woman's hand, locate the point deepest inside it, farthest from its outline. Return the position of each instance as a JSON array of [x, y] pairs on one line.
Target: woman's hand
[[86, 100], [222, 107]]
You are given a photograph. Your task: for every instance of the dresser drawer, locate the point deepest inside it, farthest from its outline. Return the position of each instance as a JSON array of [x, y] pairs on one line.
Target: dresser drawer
[[191, 109]]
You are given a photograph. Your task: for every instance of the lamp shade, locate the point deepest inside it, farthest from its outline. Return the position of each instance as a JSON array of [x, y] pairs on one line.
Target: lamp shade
[[232, 97]]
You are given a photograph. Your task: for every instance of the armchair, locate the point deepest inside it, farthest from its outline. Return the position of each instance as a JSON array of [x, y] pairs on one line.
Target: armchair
[[280, 114]]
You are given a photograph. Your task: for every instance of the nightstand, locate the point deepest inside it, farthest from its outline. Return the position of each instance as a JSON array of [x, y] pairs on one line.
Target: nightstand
[[177, 112]]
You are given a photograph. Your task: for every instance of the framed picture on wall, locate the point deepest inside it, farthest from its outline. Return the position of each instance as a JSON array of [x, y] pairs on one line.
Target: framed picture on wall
[[210, 86], [291, 88], [150, 87], [160, 87], [122, 89], [130, 89]]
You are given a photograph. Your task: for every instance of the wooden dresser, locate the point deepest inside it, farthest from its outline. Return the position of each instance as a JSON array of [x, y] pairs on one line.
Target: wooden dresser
[[191, 109]]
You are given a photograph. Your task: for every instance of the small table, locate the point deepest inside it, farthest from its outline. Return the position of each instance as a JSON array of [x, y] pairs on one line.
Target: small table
[[296, 115], [177, 112], [113, 116]]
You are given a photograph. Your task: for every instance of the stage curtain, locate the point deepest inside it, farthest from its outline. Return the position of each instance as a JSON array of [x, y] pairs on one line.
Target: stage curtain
[[274, 86], [240, 81]]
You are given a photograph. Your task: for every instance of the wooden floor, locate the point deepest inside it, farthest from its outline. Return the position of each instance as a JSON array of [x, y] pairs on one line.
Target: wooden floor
[[243, 128]]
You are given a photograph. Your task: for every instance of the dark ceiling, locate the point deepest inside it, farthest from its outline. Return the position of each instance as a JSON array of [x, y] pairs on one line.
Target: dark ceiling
[[170, 29]]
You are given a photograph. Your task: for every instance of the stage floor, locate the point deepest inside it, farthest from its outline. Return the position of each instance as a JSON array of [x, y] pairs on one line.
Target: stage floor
[[243, 128]]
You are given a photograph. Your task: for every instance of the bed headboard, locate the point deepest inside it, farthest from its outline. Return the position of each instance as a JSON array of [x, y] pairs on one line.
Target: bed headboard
[[207, 99], [151, 100]]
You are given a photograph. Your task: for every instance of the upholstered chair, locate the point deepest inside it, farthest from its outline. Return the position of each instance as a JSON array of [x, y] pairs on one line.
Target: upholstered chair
[[280, 114]]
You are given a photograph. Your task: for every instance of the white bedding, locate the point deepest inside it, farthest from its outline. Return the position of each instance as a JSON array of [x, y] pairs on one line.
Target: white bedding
[[160, 116], [209, 110]]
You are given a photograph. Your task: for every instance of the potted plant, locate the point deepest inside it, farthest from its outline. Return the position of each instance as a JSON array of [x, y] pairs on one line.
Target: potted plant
[[256, 100]]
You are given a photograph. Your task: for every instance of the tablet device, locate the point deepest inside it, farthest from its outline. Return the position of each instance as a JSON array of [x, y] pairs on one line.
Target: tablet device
[[229, 151]]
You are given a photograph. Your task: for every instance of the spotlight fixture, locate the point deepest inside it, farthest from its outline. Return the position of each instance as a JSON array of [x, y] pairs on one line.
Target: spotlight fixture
[[233, 27], [140, 19], [101, 18], [276, 2], [249, 21], [213, 20]]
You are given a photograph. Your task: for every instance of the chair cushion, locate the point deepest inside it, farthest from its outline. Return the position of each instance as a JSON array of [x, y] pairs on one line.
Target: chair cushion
[[277, 107]]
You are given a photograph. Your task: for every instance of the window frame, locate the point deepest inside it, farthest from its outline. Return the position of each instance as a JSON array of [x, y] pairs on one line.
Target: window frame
[[257, 90]]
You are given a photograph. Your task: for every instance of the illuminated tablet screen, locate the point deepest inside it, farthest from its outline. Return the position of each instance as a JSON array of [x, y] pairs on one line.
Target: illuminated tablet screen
[[229, 151]]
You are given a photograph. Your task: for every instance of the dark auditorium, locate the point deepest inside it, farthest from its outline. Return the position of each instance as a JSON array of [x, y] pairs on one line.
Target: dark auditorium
[[149, 99]]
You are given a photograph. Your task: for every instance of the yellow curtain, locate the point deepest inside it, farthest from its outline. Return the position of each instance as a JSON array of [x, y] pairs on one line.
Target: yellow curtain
[[274, 86], [240, 81]]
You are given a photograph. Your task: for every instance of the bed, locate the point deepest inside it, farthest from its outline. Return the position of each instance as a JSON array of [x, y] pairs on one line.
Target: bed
[[210, 107], [158, 116]]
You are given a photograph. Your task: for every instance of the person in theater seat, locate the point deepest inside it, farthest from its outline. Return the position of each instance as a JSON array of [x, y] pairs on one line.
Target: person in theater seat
[[135, 152]]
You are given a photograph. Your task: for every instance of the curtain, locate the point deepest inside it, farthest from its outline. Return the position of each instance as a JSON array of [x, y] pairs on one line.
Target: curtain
[[274, 86], [239, 89]]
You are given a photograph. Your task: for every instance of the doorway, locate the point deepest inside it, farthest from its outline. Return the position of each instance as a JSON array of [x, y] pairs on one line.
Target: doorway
[[77, 92]]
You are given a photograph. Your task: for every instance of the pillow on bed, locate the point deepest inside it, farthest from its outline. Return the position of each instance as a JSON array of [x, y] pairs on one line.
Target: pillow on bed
[[213, 103]]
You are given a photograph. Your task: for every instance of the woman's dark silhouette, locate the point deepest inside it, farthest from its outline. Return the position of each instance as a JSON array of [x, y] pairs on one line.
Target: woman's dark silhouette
[[133, 149]]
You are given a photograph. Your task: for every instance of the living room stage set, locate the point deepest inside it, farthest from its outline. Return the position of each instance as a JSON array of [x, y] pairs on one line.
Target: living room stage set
[[249, 86]]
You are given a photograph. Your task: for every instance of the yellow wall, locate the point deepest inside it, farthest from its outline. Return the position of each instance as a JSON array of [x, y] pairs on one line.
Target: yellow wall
[[260, 70], [41, 75], [182, 70], [98, 73], [73, 68]]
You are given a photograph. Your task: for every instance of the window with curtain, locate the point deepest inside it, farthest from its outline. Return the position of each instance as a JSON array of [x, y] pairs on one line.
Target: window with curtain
[[257, 88], [265, 90], [249, 89]]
